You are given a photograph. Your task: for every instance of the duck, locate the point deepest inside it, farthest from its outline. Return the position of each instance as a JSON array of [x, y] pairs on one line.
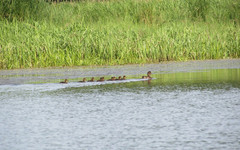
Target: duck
[[124, 78], [84, 80], [101, 79], [92, 80], [148, 75], [119, 78], [112, 79], [65, 81]]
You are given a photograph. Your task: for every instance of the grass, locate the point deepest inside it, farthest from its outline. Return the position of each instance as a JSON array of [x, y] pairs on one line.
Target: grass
[[117, 32]]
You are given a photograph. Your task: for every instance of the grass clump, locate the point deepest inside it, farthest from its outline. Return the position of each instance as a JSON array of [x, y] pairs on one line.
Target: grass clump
[[117, 32], [21, 9], [234, 11], [198, 9]]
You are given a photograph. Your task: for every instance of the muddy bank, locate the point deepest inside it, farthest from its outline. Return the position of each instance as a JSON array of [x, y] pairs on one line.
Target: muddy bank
[[22, 76]]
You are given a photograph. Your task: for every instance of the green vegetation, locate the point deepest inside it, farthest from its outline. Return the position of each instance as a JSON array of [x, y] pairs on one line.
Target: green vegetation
[[39, 34]]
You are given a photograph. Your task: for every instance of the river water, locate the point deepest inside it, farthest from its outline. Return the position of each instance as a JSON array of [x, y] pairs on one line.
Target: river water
[[188, 105]]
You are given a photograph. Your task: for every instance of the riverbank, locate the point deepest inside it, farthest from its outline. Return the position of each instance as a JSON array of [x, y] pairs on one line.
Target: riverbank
[[119, 32]]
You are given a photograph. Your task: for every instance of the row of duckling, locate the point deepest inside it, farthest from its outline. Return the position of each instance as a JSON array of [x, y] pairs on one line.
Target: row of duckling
[[112, 78], [100, 80]]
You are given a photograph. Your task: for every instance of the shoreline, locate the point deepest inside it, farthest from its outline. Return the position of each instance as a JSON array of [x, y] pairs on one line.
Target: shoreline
[[120, 65], [21, 76]]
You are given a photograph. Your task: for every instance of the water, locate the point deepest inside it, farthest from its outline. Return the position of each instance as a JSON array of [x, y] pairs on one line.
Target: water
[[184, 109]]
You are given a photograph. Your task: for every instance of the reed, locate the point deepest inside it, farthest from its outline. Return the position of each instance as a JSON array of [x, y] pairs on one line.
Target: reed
[[118, 32], [22, 9]]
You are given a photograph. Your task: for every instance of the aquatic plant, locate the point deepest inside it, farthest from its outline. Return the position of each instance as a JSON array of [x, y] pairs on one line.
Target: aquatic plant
[[118, 32], [22, 9], [198, 8]]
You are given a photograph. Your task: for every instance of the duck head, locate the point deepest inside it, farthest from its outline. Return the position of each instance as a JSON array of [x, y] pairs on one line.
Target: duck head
[[149, 73]]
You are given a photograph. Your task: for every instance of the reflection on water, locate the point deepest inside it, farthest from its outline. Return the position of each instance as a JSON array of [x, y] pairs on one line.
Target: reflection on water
[[186, 110]]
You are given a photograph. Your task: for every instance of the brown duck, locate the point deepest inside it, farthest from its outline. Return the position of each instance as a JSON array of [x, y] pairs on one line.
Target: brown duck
[[65, 81], [112, 79], [119, 78], [92, 80], [84, 80], [148, 75], [124, 78], [101, 79]]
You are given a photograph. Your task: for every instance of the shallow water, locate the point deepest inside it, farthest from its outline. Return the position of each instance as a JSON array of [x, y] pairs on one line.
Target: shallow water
[[186, 109]]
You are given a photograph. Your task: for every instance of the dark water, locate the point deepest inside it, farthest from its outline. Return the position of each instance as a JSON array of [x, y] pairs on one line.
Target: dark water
[[196, 109]]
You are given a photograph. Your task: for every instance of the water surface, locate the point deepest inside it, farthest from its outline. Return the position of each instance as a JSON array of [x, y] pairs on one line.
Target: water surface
[[190, 109]]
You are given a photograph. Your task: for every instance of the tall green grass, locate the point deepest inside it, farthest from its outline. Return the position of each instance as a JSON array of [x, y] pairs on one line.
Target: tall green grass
[[22, 9], [118, 32]]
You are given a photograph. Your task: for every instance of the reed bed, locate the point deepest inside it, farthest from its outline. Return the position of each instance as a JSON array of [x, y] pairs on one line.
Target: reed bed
[[118, 32]]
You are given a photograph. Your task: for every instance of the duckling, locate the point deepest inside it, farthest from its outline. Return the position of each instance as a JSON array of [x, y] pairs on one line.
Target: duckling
[[92, 80], [84, 80], [119, 78], [101, 79], [148, 75], [65, 81], [124, 78], [112, 79]]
